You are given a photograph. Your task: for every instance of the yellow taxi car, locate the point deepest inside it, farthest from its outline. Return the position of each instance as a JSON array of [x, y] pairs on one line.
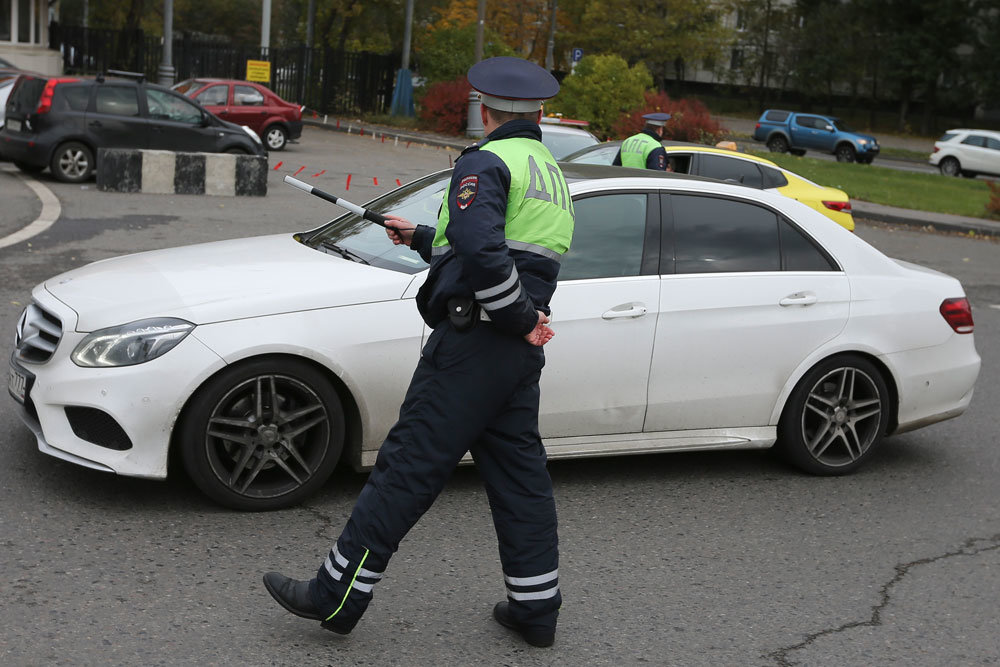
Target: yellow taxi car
[[728, 165]]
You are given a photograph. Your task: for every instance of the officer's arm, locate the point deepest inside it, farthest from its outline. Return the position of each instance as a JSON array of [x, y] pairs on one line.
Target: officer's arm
[[477, 207], [657, 159], [617, 162], [423, 239]]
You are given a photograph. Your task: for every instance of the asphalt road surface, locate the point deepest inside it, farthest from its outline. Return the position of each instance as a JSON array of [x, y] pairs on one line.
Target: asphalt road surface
[[676, 559]]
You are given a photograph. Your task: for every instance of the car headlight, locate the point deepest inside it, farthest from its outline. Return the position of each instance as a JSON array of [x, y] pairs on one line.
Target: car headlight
[[131, 344], [253, 135], [862, 142]]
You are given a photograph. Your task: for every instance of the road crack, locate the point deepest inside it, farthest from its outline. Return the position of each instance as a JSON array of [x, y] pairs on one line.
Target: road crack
[[970, 547], [327, 527]]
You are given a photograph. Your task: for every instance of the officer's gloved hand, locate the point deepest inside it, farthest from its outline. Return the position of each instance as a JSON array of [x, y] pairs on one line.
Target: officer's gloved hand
[[541, 334]]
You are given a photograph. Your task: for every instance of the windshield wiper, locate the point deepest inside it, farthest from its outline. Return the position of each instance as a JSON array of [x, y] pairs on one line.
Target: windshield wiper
[[345, 253]]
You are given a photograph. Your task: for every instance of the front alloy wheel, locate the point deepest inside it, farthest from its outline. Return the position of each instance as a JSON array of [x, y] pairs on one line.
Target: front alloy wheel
[[845, 153], [836, 416], [264, 435]]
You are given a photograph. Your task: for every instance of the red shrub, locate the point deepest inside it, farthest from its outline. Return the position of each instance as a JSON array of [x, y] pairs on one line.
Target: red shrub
[[689, 120], [993, 205], [444, 106]]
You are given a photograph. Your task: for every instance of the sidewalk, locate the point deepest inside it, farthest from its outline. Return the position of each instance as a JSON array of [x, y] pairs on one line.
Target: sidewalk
[[862, 210]]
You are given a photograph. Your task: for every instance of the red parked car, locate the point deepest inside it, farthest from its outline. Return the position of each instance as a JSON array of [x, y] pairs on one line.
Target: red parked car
[[248, 103]]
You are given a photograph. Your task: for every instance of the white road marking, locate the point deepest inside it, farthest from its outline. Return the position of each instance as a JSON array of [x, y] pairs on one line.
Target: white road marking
[[995, 305], [51, 209]]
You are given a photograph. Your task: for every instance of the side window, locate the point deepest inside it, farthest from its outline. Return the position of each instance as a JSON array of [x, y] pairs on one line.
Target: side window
[[777, 116], [713, 235], [799, 253], [730, 169], [216, 96], [607, 237], [71, 98], [805, 121], [117, 101], [679, 162], [993, 143], [166, 106], [773, 178], [247, 96], [975, 140]]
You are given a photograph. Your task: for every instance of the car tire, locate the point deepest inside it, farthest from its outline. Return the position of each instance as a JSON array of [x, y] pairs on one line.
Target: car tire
[[262, 435], [777, 144], [29, 168], [275, 138], [845, 153], [949, 166], [797, 151], [835, 417], [72, 162]]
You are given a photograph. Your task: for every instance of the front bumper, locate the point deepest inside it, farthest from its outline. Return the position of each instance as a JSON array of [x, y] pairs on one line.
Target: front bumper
[[144, 400]]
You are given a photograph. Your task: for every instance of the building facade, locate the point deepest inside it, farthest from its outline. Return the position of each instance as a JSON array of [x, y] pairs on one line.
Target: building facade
[[24, 35]]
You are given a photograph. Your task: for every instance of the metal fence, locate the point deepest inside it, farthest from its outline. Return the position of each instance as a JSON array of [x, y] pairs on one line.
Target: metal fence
[[323, 79]]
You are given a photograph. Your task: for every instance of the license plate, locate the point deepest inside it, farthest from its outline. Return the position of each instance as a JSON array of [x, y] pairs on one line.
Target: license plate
[[17, 385], [14, 125]]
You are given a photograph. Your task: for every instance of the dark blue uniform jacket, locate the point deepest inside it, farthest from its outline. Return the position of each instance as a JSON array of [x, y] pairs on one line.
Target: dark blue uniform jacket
[[480, 259]]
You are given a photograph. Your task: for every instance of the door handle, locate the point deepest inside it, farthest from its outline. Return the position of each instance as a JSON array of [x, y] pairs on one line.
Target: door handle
[[632, 310], [799, 299]]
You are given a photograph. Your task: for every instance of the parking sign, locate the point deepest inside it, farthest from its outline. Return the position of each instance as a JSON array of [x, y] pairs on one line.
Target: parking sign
[[577, 55]]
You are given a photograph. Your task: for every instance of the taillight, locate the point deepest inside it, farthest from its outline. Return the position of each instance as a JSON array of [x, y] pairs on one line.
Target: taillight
[[936, 149], [958, 314], [45, 101], [757, 126], [840, 206]]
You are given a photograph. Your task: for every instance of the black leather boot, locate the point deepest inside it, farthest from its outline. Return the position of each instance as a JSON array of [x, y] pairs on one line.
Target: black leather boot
[[292, 594], [541, 637]]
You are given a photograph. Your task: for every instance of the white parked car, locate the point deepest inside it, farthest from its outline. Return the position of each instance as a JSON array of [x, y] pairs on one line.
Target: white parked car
[[691, 314], [967, 153], [563, 136]]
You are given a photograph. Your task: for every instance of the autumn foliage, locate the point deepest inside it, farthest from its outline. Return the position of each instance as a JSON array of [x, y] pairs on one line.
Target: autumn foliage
[[689, 120], [444, 106]]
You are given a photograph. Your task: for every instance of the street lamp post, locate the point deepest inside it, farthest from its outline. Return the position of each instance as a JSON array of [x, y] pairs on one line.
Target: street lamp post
[[166, 70], [474, 127]]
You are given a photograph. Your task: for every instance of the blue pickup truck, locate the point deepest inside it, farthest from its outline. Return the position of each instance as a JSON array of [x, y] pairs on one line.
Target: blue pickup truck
[[789, 131]]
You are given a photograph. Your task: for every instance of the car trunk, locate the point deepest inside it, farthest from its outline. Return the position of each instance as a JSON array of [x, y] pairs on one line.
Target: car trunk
[[24, 98]]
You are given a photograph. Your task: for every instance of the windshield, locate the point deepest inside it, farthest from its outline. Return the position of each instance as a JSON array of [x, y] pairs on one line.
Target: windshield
[[562, 144], [600, 155], [842, 126], [418, 202]]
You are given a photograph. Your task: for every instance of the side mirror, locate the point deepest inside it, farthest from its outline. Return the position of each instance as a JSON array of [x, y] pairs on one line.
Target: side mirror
[[829, 128], [206, 120]]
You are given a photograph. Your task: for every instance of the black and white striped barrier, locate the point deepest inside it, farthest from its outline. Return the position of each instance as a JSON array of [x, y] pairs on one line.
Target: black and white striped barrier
[[167, 172]]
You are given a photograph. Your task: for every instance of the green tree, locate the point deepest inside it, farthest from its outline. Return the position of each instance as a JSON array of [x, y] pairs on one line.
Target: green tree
[[447, 53], [601, 89]]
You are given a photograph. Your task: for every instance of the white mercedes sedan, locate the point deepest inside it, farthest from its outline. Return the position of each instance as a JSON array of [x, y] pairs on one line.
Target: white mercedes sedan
[[691, 314]]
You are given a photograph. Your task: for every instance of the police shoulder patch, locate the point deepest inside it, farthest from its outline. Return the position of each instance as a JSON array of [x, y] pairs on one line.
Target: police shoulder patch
[[466, 191]]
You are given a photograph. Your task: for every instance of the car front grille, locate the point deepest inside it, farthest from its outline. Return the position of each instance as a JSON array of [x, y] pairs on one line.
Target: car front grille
[[38, 334]]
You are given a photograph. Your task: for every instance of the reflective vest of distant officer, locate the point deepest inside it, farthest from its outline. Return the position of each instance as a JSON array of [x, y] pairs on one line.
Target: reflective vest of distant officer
[[644, 150]]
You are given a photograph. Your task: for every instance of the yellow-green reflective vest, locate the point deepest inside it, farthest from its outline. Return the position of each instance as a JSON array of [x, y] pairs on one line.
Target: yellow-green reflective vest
[[636, 149], [539, 207]]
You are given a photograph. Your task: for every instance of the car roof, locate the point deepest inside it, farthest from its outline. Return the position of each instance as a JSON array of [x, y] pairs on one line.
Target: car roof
[[995, 133], [574, 171], [552, 128]]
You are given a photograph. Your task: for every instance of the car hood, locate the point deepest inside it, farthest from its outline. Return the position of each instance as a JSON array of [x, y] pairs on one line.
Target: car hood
[[214, 282]]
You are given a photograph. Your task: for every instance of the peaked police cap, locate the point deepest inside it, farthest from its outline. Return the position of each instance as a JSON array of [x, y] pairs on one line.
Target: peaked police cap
[[658, 118], [512, 84]]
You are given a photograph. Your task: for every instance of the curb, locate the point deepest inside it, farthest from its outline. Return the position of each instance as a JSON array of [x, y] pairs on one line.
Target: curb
[[352, 127], [923, 220]]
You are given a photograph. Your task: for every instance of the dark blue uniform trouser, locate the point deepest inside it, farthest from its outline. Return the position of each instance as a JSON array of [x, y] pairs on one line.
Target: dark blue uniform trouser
[[472, 391]]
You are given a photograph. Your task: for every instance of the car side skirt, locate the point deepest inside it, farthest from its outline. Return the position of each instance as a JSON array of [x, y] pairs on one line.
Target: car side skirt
[[620, 444]]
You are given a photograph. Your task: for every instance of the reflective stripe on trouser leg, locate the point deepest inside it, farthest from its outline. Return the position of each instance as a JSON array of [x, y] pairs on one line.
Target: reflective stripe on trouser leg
[[511, 461], [462, 382]]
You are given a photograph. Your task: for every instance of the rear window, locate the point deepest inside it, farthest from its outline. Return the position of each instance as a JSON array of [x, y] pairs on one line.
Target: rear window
[[948, 136], [24, 98], [71, 98], [776, 116]]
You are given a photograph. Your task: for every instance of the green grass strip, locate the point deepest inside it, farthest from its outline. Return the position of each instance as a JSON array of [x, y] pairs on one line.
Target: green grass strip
[[892, 187], [349, 586]]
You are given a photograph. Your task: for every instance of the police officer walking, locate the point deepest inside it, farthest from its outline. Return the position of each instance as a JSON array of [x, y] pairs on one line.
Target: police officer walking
[[644, 150], [505, 221]]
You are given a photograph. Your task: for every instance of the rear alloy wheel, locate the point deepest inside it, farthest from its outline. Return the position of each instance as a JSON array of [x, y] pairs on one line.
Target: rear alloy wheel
[[835, 417], [950, 167], [263, 435], [777, 144], [72, 162], [845, 153], [275, 137]]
